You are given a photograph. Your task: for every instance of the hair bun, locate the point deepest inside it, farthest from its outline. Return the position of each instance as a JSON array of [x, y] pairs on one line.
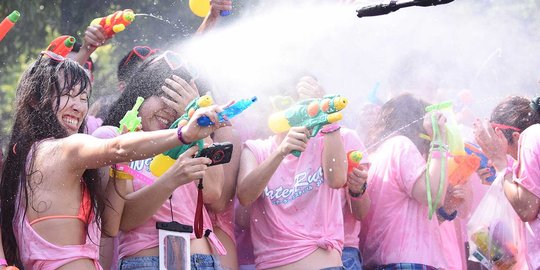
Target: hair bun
[[535, 104]]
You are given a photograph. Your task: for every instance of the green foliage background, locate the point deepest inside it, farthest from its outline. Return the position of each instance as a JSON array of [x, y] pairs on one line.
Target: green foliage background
[[43, 20]]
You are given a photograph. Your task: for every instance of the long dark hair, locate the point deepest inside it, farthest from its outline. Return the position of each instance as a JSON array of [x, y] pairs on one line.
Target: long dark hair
[[37, 102], [402, 115], [145, 82]]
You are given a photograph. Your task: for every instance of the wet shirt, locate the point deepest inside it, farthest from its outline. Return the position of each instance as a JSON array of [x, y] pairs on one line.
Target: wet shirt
[[397, 228], [184, 202], [297, 213], [527, 174]]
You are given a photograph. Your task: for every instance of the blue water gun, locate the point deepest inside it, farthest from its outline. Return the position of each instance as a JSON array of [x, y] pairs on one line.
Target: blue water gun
[[228, 112], [473, 149]]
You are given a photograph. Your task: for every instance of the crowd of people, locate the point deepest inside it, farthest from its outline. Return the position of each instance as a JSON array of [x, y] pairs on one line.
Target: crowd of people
[[77, 191]]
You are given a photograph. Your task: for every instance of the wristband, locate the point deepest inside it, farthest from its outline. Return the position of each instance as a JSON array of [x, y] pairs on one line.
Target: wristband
[[445, 215], [181, 136], [330, 128], [358, 195], [3, 262]]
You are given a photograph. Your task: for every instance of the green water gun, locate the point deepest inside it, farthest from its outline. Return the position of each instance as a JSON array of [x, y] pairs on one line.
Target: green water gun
[[162, 162], [131, 119], [311, 113]]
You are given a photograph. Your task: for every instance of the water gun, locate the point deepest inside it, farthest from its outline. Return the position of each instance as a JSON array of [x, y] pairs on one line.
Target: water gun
[[131, 119], [115, 22], [311, 113], [353, 160], [8, 23], [229, 112], [473, 149], [162, 162], [460, 168], [62, 45]]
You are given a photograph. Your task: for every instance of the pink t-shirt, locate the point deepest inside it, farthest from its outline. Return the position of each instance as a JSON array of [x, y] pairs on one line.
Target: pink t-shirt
[[527, 173], [38, 253], [92, 123], [352, 227], [225, 220], [397, 228], [184, 202], [452, 244], [296, 213]]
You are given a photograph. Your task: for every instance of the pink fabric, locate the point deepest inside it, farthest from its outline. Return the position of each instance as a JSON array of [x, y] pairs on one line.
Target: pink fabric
[[527, 173], [224, 221], [244, 245], [38, 254], [296, 214], [184, 201], [452, 245], [352, 227], [397, 228], [92, 123]]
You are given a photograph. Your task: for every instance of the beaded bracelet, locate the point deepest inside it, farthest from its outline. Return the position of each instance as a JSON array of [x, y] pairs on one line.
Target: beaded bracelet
[[181, 136]]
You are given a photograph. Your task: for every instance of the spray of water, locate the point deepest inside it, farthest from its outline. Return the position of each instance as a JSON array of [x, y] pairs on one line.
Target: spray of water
[[432, 52]]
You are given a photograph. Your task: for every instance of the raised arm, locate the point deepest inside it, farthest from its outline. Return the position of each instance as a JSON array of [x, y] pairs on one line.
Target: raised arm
[[253, 177], [334, 160], [83, 152], [143, 203]]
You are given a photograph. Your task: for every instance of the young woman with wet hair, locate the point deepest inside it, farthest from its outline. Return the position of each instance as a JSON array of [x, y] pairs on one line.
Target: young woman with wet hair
[[397, 233], [514, 129], [51, 197], [166, 84]]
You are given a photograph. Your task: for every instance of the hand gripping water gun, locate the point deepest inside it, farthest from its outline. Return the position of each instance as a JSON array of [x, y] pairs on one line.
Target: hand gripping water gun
[[8, 23], [131, 119], [473, 149], [162, 162], [115, 22], [353, 160], [229, 112], [437, 144], [62, 45], [311, 113]]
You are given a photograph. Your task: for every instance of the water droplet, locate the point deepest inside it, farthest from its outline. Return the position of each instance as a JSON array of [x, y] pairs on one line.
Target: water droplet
[[256, 220], [41, 7]]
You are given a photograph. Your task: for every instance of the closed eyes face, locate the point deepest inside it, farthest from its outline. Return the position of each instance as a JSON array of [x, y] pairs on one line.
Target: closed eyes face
[[156, 115], [73, 109]]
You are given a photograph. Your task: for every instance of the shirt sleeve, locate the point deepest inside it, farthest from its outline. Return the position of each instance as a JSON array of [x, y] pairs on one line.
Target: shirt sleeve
[[528, 166], [411, 163]]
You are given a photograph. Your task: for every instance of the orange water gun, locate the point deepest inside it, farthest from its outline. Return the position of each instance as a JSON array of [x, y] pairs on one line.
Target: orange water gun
[[8, 23], [115, 22], [461, 167], [62, 45], [353, 160]]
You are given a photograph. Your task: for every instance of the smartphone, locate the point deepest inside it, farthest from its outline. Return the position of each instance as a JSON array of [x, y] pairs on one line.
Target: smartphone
[[219, 153]]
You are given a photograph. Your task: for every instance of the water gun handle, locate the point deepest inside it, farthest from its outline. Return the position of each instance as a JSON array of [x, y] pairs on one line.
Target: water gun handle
[[353, 160], [472, 149], [115, 22], [224, 13], [62, 45], [229, 112], [131, 121], [8, 23]]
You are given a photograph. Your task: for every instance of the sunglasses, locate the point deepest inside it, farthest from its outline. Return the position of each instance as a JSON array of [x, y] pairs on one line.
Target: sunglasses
[[175, 61], [142, 52], [501, 126]]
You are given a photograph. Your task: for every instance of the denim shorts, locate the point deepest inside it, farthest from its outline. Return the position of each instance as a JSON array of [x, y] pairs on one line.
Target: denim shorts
[[351, 259], [198, 262]]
